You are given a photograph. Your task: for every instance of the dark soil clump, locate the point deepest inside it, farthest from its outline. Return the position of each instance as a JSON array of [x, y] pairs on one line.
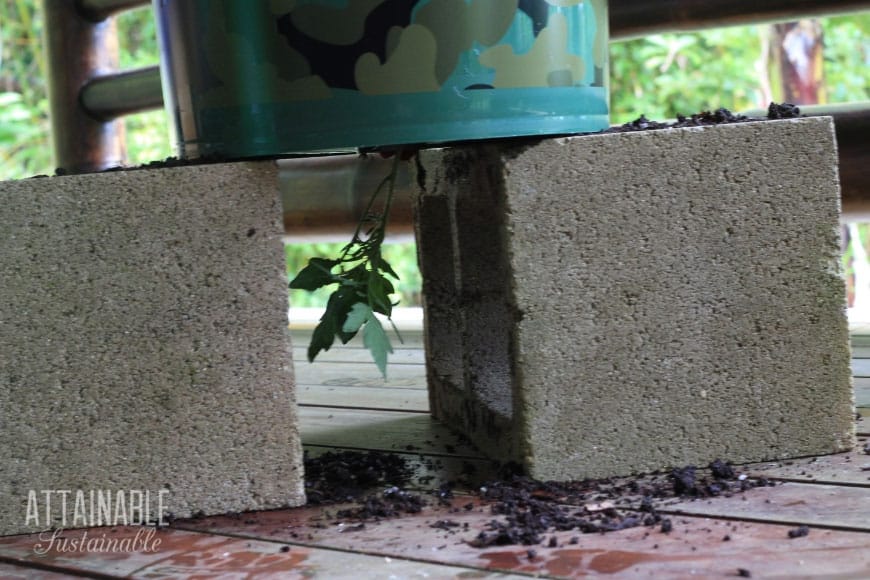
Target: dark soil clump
[[799, 532], [706, 118]]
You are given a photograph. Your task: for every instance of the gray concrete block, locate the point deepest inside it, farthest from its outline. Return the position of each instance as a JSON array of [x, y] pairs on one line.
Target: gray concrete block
[[674, 296], [467, 325], [144, 342]]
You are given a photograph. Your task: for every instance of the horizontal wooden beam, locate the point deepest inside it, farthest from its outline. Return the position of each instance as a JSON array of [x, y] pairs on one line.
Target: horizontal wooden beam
[[324, 197], [97, 10], [637, 18]]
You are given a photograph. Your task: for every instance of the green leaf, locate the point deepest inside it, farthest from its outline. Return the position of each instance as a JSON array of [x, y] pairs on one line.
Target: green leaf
[[323, 336], [316, 274], [358, 274], [379, 290], [378, 343], [340, 303], [333, 320], [382, 265], [359, 313]]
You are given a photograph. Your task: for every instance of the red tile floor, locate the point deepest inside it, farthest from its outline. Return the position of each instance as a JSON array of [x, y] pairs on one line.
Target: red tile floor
[[745, 535]]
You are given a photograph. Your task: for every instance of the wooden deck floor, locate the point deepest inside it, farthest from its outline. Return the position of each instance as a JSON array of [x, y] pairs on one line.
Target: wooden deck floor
[[346, 405]]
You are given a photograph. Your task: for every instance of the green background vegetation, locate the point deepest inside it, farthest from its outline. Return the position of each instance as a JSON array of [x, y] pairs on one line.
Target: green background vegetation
[[659, 76]]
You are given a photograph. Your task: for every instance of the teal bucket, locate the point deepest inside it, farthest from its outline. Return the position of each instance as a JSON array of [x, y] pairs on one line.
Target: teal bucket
[[247, 79]]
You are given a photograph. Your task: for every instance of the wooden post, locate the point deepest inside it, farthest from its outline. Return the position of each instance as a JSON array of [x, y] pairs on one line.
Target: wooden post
[[77, 50]]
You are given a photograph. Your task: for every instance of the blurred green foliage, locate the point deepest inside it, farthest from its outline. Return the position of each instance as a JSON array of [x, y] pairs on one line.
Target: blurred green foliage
[[25, 147], [666, 74]]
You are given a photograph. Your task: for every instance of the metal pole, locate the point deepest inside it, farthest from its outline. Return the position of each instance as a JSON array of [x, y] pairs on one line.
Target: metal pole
[[123, 93], [77, 50]]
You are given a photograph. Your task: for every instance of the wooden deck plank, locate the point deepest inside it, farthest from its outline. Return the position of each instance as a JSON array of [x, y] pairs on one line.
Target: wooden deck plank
[[862, 392], [852, 468], [792, 504], [379, 430], [402, 356], [403, 399], [696, 546], [184, 554], [334, 374], [411, 339]]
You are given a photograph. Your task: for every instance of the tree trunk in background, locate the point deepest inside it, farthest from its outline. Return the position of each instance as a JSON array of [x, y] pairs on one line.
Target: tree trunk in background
[[796, 51]]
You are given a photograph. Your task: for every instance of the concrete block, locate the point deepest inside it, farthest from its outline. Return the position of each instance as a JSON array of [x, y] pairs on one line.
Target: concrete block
[[144, 344], [467, 326], [631, 302]]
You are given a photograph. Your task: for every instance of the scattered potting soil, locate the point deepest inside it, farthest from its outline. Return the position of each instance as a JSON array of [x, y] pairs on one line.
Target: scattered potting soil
[[342, 476], [718, 117], [533, 508], [524, 510]]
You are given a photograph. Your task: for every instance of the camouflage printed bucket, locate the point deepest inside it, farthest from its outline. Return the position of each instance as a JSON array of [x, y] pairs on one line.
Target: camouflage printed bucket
[[246, 78]]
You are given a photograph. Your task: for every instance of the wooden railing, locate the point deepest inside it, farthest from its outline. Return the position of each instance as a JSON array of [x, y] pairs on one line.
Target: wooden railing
[[88, 94]]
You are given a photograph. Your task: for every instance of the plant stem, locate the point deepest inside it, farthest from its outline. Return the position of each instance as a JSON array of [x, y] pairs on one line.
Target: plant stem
[[380, 228]]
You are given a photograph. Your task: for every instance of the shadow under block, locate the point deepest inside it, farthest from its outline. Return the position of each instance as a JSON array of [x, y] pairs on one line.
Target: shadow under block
[[144, 343], [617, 303]]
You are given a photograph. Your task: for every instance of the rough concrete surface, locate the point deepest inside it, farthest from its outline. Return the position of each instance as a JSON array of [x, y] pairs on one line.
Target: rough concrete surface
[[676, 296], [467, 312], [144, 343]]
